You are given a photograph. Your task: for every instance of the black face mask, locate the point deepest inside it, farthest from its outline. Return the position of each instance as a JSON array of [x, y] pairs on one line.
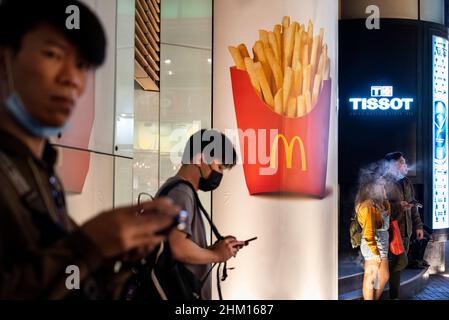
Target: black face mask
[[210, 183]]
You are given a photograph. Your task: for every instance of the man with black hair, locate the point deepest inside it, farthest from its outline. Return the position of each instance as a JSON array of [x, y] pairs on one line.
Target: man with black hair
[[207, 154], [401, 194], [43, 72]]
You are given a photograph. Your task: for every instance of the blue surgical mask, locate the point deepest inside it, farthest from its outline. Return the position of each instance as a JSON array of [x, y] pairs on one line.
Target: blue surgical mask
[[15, 107]]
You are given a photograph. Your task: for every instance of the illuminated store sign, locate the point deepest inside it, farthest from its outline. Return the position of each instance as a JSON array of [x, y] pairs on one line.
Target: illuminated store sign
[[440, 147], [381, 99]]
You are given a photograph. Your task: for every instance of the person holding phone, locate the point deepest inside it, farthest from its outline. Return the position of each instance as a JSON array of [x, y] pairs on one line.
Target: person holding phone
[[207, 155], [401, 194], [44, 69]]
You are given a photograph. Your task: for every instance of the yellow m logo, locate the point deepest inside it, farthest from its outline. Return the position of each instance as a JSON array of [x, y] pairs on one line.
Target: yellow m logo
[[288, 147]]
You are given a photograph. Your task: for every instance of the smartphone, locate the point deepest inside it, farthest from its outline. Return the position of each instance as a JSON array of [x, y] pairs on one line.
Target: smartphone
[[249, 240], [416, 204]]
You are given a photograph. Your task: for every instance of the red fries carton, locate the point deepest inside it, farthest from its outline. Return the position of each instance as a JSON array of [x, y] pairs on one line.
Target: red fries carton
[[291, 153]]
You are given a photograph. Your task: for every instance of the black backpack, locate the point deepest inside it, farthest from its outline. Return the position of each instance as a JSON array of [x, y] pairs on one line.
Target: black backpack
[[160, 276]]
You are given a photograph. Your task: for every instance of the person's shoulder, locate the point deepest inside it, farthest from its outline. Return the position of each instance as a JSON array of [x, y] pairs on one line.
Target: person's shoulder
[[366, 206], [179, 189]]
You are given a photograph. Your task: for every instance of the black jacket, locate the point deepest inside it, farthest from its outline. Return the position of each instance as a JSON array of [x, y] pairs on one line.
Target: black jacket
[[38, 240]]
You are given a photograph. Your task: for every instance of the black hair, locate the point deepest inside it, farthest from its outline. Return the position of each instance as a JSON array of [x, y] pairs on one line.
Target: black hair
[[213, 145], [18, 17], [395, 156], [371, 176]]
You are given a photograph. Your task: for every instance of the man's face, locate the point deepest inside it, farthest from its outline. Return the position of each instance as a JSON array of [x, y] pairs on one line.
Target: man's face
[[49, 75], [401, 166]]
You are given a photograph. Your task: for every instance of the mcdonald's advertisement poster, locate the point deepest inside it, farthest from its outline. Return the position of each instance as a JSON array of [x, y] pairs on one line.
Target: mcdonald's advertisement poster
[[281, 88], [275, 97]]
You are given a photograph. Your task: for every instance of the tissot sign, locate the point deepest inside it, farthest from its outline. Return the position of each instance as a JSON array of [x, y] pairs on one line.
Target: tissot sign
[[382, 98]]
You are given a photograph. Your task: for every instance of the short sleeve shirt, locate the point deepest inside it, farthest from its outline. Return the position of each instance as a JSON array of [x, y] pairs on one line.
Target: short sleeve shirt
[[183, 196]]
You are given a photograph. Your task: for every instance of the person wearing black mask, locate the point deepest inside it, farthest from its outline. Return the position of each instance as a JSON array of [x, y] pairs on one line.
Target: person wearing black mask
[[208, 153]]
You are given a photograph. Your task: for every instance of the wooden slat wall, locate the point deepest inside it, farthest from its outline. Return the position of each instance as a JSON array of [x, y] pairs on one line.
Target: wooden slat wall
[[147, 40]]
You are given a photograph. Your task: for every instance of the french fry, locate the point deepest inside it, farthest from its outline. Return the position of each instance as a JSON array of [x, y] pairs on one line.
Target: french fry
[[243, 51], [297, 47], [309, 46], [295, 26], [277, 28], [249, 64], [238, 60], [285, 23], [310, 36], [278, 98], [297, 80], [310, 29], [278, 35], [321, 37], [275, 68], [308, 99], [263, 36], [289, 40], [285, 27], [301, 106], [321, 64], [325, 50], [259, 55], [291, 107], [314, 57], [264, 84], [274, 46], [316, 89], [307, 74], [320, 45], [305, 55], [326, 72], [288, 79]]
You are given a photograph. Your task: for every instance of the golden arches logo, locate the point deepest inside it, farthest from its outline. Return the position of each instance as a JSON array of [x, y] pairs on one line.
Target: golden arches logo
[[288, 147]]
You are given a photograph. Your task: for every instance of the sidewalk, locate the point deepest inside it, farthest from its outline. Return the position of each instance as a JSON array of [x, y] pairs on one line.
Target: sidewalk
[[438, 286]]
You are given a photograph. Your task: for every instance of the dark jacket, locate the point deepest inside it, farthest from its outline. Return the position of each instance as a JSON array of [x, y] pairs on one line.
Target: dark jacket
[[398, 191], [38, 240]]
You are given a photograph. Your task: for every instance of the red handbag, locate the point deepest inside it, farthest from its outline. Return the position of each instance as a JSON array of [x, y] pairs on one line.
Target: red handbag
[[396, 245]]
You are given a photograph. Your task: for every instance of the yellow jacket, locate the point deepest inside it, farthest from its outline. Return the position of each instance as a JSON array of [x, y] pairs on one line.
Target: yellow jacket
[[370, 218]]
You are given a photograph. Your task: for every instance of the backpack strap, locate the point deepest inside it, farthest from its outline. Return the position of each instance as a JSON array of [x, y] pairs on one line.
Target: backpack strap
[[164, 192], [170, 186]]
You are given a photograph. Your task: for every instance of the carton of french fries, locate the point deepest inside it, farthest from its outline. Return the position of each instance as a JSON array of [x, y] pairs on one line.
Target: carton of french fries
[[284, 84]]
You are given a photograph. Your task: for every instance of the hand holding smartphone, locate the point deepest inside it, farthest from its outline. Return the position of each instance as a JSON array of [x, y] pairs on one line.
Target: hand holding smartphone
[[247, 242]]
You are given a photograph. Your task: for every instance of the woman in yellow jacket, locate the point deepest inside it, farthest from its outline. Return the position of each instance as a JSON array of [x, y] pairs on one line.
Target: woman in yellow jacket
[[373, 215]]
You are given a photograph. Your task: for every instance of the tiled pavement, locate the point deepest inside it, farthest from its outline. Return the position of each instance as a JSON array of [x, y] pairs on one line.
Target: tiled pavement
[[438, 285], [436, 289]]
